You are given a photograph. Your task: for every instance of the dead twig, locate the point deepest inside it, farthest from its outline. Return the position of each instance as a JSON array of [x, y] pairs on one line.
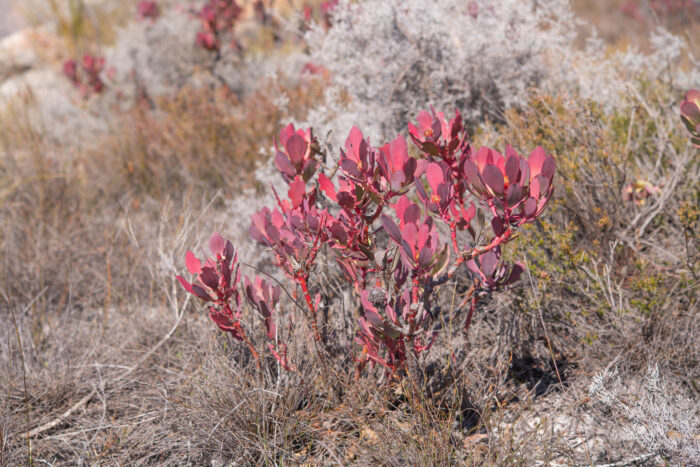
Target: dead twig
[[58, 420]]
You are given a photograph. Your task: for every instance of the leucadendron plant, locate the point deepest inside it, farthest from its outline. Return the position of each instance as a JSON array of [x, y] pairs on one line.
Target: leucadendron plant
[[218, 18], [385, 217], [690, 115]]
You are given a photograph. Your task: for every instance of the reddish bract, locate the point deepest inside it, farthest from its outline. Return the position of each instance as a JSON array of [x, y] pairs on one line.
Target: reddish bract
[[218, 17], [690, 115], [506, 183], [86, 77], [294, 156], [386, 245], [148, 10], [218, 279]]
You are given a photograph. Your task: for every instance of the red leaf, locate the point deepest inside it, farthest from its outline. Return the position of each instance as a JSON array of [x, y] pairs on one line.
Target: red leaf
[[515, 273], [435, 176], [530, 207], [524, 172], [194, 265], [537, 157], [548, 167], [497, 226], [217, 244], [327, 187], [209, 278], [493, 178], [391, 229], [296, 148], [489, 261], [425, 257], [514, 194], [512, 168], [297, 190], [187, 286], [483, 157], [284, 165], [472, 173]]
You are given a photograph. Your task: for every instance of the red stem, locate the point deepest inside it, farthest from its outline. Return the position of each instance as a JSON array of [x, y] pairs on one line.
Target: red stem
[[453, 235], [414, 299], [472, 307], [474, 252], [301, 279]]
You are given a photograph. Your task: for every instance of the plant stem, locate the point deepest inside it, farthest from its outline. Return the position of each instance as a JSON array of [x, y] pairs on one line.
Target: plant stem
[[301, 279]]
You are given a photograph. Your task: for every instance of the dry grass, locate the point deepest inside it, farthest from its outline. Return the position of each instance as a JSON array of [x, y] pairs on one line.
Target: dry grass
[[620, 27], [93, 234], [616, 275]]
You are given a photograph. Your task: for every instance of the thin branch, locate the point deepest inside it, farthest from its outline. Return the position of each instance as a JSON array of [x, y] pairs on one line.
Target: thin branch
[[58, 420]]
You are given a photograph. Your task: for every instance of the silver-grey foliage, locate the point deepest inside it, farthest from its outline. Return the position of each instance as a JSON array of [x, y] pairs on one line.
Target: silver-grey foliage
[[660, 421], [394, 57], [389, 59]]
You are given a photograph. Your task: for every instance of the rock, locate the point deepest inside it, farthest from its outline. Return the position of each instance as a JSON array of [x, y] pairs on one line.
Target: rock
[[19, 52]]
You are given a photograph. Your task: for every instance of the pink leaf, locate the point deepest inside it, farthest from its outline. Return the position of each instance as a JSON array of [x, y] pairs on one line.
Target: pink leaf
[[296, 148], [327, 187], [483, 157], [217, 244], [425, 120], [194, 265], [493, 178], [537, 157], [391, 229], [530, 207], [285, 133], [398, 152], [512, 168], [548, 167], [409, 236], [297, 190], [284, 165], [354, 142], [514, 194], [690, 111], [423, 235], [435, 176], [489, 261]]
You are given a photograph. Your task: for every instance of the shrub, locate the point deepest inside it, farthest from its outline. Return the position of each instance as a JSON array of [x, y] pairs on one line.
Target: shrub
[[444, 61], [668, 11], [394, 268], [148, 10], [86, 76], [663, 423], [212, 45], [484, 56], [599, 269], [217, 17], [690, 114]]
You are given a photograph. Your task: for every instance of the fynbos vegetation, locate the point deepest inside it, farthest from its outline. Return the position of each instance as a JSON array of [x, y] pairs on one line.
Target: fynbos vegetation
[[353, 232]]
